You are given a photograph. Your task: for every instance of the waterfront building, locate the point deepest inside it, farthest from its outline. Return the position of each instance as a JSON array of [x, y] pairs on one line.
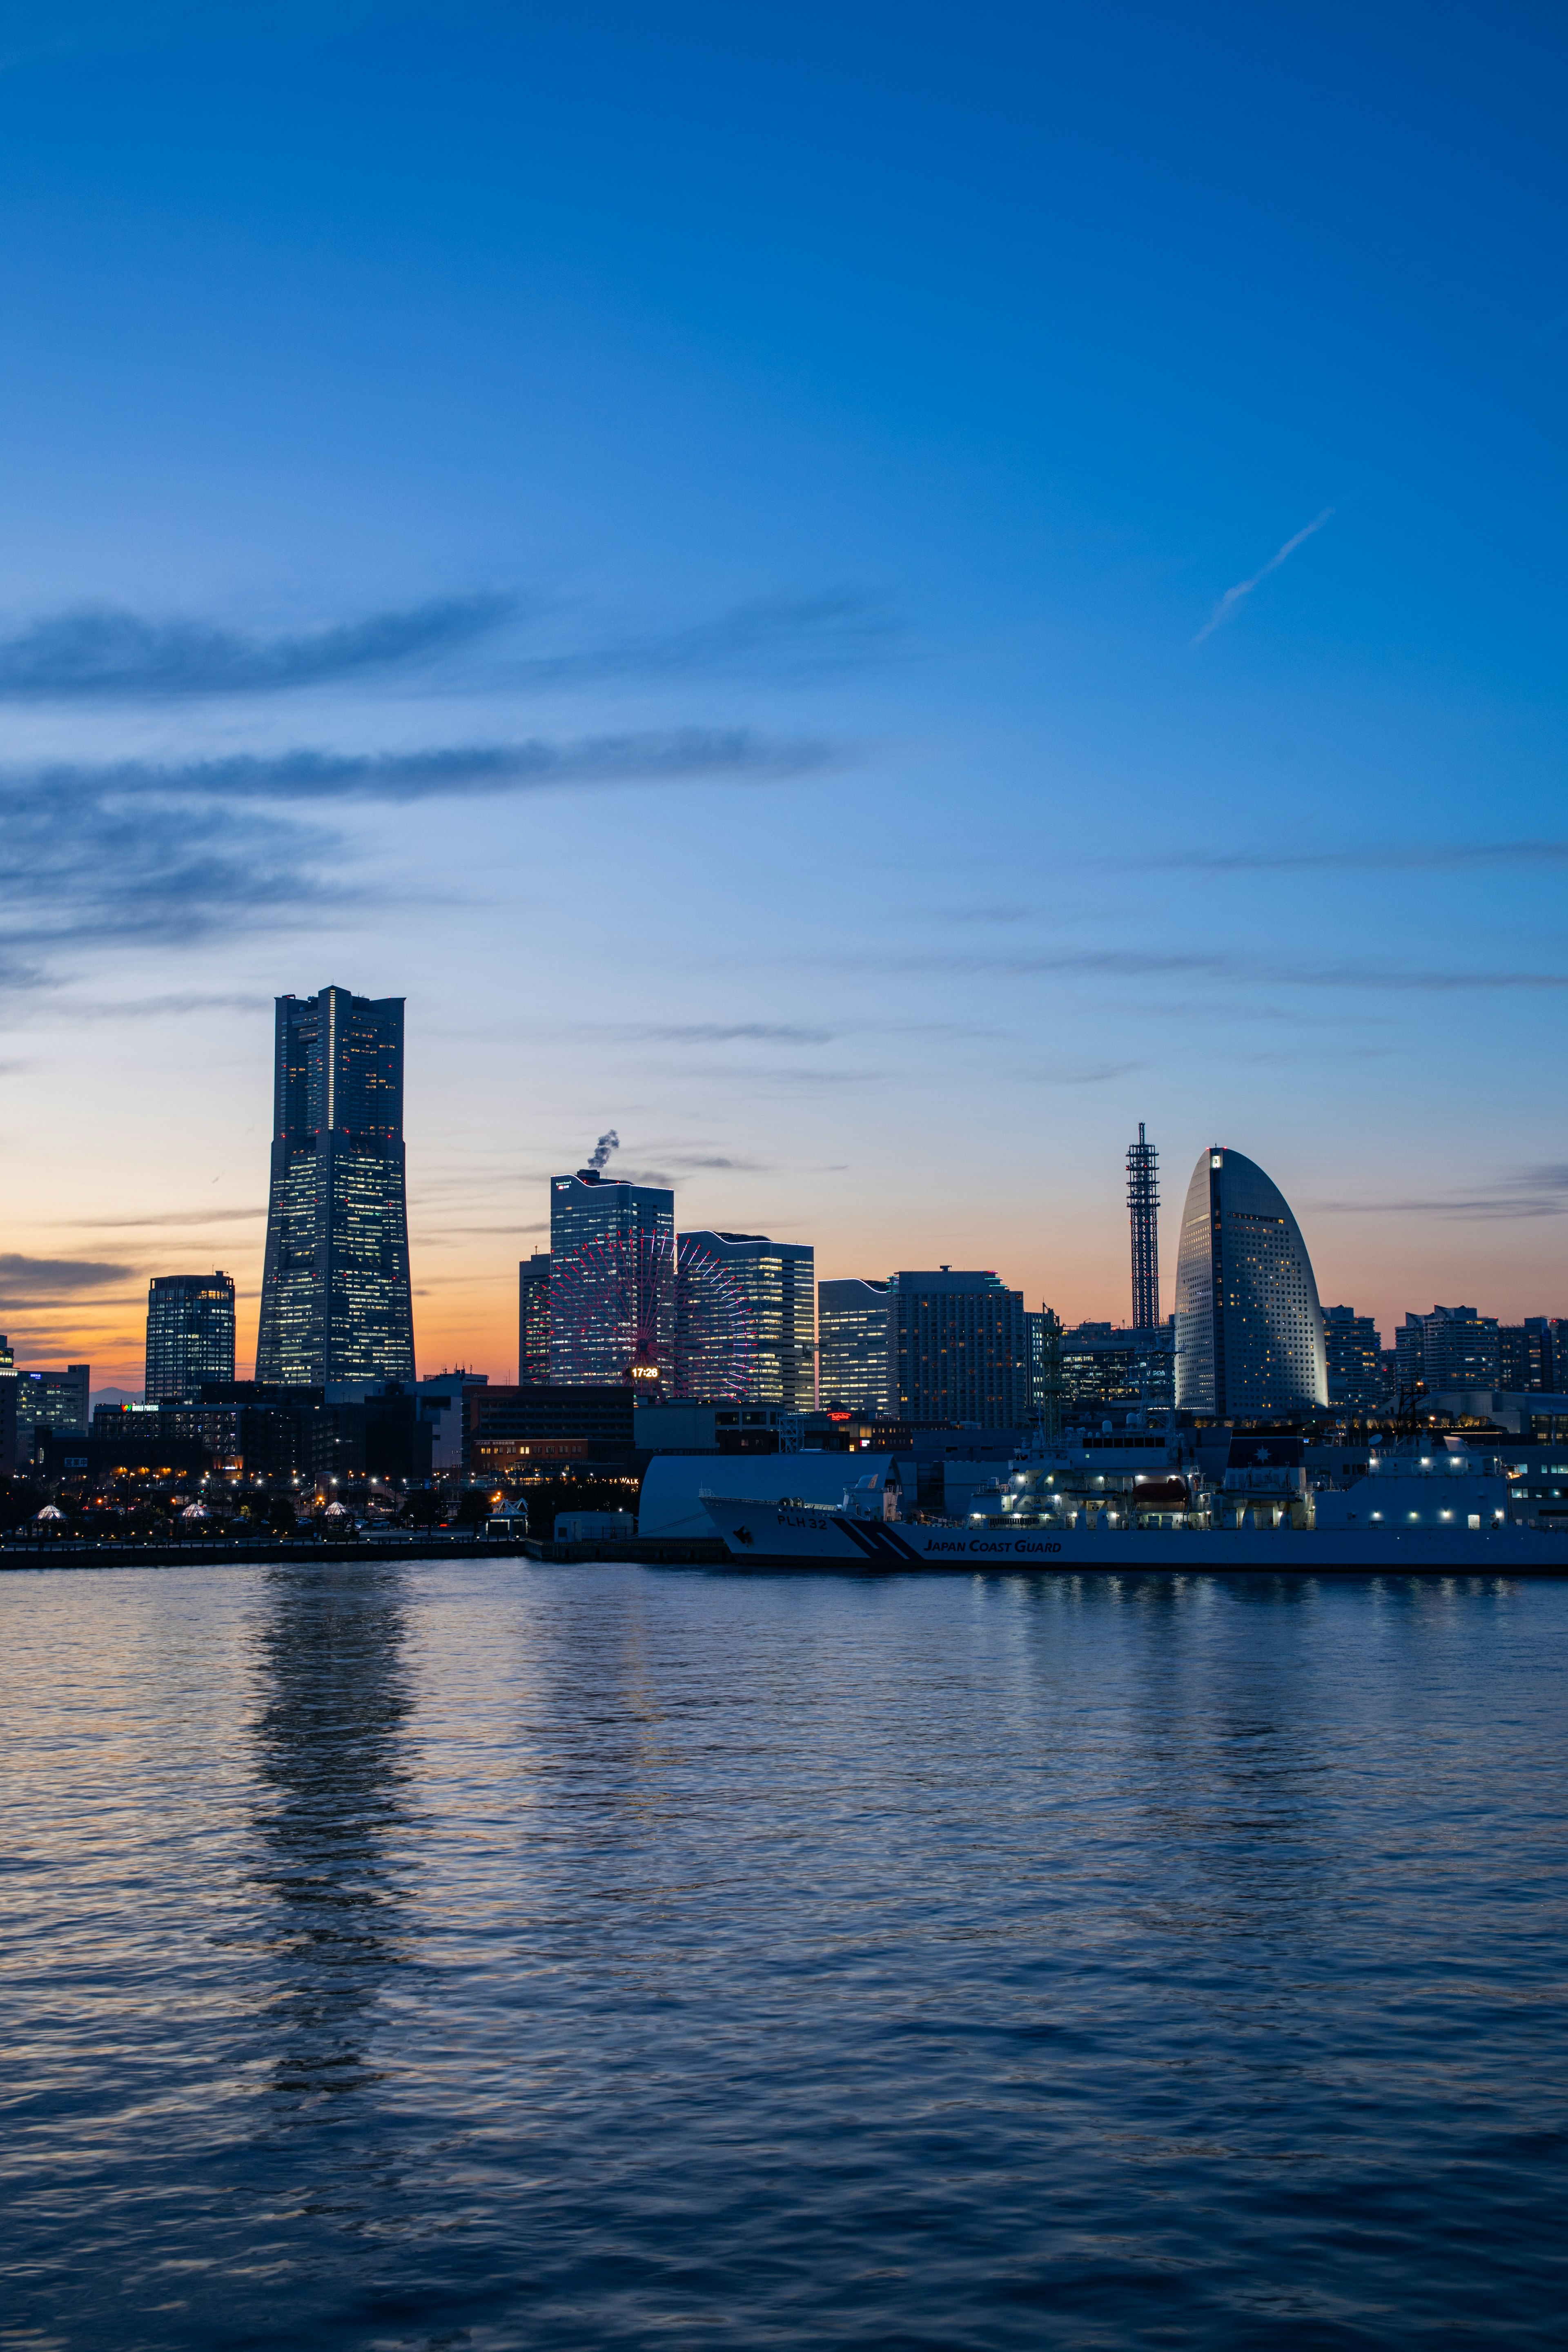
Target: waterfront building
[[960, 1350], [1144, 1213], [336, 1300], [1249, 1326], [8, 1409], [745, 1320], [533, 1317], [1352, 1348], [439, 1400], [853, 1362], [508, 1431], [50, 1400], [1452, 1348], [612, 1279], [190, 1333]]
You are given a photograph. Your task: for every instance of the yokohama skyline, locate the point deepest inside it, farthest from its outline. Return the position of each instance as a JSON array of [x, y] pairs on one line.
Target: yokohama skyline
[[986, 634]]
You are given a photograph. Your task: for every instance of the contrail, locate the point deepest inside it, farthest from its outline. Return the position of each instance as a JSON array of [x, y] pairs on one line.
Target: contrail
[[1233, 596]]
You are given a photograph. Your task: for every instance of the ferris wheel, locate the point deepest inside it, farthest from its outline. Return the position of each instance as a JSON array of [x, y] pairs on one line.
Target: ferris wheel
[[612, 1305], [716, 1329]]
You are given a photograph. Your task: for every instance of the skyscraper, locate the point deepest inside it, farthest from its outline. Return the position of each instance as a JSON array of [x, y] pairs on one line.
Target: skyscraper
[[1143, 1207], [190, 1333], [336, 1303], [534, 1317], [960, 1350], [853, 1363], [612, 1277], [1249, 1329], [745, 1320]]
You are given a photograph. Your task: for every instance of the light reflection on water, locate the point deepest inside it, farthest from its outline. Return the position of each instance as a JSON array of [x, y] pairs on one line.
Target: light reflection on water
[[486, 1955]]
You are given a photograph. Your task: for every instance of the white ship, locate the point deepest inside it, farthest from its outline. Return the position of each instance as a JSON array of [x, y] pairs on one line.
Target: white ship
[[1427, 1506]]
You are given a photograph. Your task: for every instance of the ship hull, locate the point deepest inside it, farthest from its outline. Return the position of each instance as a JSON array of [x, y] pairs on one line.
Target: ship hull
[[773, 1536]]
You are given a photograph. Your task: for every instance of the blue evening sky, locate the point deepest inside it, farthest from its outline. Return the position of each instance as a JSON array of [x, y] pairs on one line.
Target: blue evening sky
[[727, 553]]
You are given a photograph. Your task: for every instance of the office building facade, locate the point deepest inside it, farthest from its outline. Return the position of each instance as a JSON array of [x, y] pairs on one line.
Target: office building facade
[[612, 1280], [336, 1299], [1452, 1348], [1107, 1365], [1533, 1354], [853, 1359], [1249, 1325], [1353, 1349], [190, 1333], [533, 1317], [959, 1349], [745, 1320]]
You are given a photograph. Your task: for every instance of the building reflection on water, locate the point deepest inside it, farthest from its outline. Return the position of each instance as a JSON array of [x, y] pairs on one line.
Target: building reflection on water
[[331, 1799]]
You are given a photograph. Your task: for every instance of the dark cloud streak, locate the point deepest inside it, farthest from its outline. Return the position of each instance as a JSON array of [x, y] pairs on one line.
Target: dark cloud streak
[[51, 1277], [146, 852], [99, 653]]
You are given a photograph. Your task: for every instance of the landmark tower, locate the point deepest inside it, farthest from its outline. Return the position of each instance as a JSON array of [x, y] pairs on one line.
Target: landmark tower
[[336, 1302]]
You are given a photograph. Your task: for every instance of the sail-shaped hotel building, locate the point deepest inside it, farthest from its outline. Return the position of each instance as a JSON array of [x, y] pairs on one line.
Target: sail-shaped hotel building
[[1249, 1328]]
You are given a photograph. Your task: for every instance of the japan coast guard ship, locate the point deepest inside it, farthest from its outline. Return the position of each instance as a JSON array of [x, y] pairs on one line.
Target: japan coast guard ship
[[1427, 1506]]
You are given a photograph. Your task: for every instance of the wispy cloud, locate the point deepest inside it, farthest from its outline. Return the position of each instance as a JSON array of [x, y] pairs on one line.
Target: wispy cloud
[[176, 1217], [98, 652], [1382, 857], [1133, 963], [697, 1159], [1237, 595], [834, 628], [103, 653], [726, 1032], [157, 1008], [1541, 1192], [148, 851]]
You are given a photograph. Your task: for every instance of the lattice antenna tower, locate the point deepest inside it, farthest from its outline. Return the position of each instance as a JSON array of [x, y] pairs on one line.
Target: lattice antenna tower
[[1143, 1204]]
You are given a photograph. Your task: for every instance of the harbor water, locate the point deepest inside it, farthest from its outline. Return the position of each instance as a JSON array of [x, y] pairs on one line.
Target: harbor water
[[478, 1954]]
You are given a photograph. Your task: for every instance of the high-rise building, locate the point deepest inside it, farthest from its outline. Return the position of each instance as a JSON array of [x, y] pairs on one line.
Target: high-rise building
[[745, 1320], [1352, 1348], [854, 1365], [960, 1350], [1249, 1328], [1452, 1348], [8, 1409], [1143, 1211], [190, 1333], [51, 1399], [612, 1280], [336, 1301], [534, 1317], [1528, 1353]]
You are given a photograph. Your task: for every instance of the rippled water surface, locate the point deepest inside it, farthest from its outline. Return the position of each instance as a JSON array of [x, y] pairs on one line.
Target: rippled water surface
[[488, 1955]]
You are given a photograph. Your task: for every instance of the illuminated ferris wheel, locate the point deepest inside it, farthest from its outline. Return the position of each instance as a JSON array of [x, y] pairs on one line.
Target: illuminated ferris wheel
[[716, 1329], [612, 1306]]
